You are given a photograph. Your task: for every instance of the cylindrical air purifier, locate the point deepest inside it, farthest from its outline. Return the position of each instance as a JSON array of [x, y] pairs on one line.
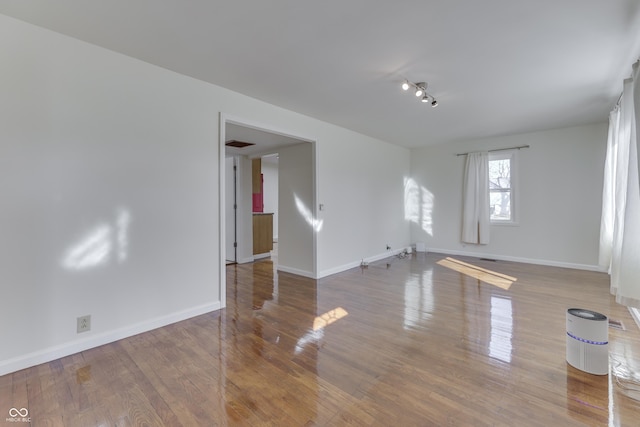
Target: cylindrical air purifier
[[588, 341]]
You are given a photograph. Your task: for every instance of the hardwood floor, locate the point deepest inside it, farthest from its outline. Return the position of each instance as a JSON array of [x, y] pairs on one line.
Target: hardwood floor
[[403, 342]]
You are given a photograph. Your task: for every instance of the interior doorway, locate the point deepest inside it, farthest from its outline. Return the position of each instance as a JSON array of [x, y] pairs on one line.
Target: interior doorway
[[296, 237]]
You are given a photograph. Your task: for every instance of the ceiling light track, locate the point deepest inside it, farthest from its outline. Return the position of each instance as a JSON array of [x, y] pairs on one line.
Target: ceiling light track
[[420, 91]]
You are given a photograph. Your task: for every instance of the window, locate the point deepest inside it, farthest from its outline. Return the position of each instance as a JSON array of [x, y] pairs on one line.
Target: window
[[502, 187]]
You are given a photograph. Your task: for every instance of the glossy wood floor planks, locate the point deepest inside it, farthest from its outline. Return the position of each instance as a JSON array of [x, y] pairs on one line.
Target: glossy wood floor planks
[[404, 342]]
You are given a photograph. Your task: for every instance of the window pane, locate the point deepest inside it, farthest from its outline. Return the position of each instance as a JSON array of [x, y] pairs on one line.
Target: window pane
[[500, 174], [500, 205], [501, 181]]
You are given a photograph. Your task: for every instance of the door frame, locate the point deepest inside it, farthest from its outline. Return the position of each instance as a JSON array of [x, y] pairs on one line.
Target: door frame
[[225, 118]]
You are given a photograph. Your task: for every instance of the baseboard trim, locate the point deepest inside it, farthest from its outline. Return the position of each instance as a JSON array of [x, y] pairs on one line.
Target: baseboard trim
[[355, 264], [523, 260], [339, 269], [77, 346], [296, 271], [534, 261]]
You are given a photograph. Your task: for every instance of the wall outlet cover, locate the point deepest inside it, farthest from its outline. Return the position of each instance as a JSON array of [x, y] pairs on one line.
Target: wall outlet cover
[[84, 323]]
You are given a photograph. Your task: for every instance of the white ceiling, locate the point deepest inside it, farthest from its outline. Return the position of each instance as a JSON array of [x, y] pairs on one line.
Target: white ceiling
[[496, 67]]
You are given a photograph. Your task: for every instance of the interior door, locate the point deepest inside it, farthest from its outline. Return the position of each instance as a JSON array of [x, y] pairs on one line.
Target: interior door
[[231, 209]]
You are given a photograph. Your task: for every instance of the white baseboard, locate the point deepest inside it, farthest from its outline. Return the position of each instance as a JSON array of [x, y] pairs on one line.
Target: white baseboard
[[296, 271], [355, 264], [339, 269], [66, 349], [535, 261]]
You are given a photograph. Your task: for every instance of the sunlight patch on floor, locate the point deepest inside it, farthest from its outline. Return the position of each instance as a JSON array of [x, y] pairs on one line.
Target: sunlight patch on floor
[[328, 318], [500, 280]]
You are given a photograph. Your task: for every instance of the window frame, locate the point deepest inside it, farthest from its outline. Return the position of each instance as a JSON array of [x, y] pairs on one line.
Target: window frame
[[512, 156]]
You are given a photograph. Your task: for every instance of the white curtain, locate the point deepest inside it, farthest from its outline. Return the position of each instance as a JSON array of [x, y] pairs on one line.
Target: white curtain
[[620, 224], [475, 210], [609, 190]]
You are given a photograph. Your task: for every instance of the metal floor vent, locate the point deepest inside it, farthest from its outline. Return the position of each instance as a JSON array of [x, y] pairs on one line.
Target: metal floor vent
[[617, 324]]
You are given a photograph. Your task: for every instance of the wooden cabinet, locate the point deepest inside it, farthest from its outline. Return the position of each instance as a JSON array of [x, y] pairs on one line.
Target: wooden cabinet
[[262, 233]]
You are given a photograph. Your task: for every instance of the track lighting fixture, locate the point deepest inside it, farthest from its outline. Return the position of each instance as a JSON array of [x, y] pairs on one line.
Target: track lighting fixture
[[420, 91]]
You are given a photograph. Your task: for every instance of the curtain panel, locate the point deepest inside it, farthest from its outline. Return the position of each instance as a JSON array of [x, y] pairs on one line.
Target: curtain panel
[[620, 222], [475, 209]]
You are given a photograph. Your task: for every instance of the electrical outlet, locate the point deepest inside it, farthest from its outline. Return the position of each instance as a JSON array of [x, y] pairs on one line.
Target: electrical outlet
[[84, 323]]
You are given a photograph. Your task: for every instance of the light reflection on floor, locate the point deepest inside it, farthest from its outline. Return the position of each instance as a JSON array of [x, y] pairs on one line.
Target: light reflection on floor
[[500, 343]]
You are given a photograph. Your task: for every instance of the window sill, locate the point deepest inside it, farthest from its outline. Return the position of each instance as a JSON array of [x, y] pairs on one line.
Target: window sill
[[505, 223]]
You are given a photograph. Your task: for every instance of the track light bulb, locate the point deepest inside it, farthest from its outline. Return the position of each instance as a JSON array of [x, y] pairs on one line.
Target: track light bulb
[[420, 91]]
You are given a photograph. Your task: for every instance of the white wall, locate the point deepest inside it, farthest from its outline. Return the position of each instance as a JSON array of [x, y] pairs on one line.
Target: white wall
[[560, 198], [245, 210], [109, 181], [362, 191], [296, 250]]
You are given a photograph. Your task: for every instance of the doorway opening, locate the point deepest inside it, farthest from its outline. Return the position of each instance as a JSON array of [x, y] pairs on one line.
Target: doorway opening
[[291, 161]]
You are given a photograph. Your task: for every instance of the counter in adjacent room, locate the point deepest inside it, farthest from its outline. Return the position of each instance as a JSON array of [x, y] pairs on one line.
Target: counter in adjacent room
[[262, 232]]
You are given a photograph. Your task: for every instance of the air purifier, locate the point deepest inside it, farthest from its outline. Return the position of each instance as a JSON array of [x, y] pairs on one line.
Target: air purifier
[[588, 341]]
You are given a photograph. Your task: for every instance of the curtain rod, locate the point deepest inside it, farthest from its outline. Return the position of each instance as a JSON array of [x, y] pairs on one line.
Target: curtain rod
[[499, 149], [620, 97]]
